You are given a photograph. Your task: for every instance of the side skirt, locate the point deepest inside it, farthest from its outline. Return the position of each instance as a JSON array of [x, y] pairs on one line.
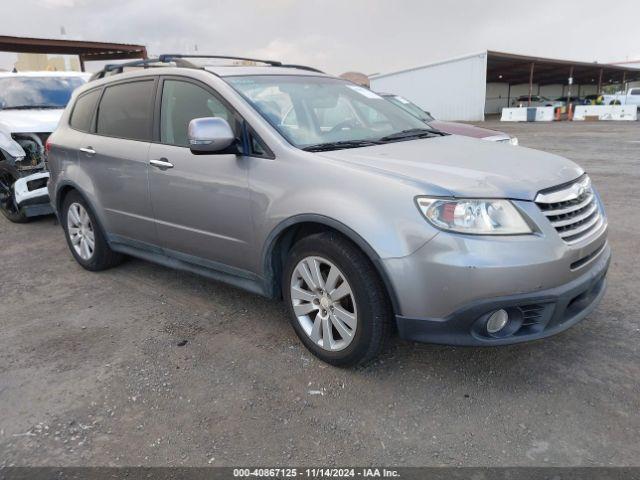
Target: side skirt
[[170, 258]]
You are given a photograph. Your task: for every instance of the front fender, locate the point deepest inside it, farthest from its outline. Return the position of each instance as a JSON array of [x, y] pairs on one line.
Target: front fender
[[9, 146]]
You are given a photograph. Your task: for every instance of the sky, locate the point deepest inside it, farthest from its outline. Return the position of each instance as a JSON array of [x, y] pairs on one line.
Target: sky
[[370, 36]]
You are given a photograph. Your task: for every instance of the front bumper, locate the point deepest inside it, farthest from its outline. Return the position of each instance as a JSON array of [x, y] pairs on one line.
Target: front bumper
[[534, 315], [446, 289], [31, 194]]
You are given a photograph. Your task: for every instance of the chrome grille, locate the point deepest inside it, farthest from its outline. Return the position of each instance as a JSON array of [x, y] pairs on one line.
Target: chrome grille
[[572, 209]]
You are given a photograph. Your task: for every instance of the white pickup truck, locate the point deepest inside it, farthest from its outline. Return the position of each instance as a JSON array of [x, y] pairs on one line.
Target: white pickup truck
[[631, 97]]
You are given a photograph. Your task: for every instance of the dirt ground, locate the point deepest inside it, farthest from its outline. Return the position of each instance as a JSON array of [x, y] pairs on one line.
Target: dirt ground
[[94, 368]]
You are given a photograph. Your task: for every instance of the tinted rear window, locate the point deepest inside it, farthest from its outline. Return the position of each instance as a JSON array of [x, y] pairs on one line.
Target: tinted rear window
[[83, 111], [126, 111]]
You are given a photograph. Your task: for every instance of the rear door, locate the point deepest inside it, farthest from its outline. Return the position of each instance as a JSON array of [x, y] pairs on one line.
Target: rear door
[[201, 202], [115, 158]]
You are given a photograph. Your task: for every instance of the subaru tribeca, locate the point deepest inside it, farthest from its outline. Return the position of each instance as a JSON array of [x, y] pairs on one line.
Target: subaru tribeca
[[356, 213]]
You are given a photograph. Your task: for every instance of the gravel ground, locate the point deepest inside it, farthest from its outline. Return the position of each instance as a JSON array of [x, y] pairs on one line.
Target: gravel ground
[[142, 365]]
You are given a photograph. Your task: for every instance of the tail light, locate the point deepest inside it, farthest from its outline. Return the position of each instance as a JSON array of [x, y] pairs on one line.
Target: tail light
[[47, 146]]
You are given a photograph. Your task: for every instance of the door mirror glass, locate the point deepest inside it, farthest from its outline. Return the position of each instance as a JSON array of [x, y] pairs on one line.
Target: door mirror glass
[[210, 135]]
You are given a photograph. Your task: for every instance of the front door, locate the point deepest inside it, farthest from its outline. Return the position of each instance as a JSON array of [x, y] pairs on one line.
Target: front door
[[200, 202]]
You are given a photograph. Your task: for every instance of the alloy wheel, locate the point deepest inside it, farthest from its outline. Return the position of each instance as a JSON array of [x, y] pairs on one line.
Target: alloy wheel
[[324, 303], [81, 231]]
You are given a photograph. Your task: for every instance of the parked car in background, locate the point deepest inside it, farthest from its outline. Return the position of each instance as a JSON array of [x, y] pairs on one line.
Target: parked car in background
[[536, 101], [352, 210], [630, 97], [31, 104], [449, 127], [572, 100], [594, 99]]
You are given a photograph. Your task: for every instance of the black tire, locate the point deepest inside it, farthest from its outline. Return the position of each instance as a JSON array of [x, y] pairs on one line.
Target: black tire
[[8, 206], [103, 257], [372, 301]]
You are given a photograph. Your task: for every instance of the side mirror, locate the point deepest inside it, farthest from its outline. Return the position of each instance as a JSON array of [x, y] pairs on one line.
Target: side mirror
[[210, 135]]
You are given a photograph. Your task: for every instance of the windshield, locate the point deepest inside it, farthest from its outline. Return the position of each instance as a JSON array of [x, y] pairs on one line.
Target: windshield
[[410, 107], [311, 111], [37, 92]]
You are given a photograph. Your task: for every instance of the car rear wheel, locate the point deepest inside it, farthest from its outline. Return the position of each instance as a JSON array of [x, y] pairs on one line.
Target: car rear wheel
[[337, 303], [84, 237]]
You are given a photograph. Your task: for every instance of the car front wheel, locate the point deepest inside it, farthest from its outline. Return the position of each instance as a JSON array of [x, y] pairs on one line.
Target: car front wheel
[[337, 303]]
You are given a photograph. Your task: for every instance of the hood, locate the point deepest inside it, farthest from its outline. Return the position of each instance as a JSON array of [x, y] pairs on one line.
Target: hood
[[465, 167], [465, 130], [28, 121]]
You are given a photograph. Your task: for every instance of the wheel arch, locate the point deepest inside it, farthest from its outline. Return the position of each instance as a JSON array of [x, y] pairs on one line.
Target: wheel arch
[[283, 237], [63, 190]]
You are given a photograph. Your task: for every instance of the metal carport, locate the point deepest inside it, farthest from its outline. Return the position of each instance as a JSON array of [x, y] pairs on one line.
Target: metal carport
[[86, 51], [468, 87]]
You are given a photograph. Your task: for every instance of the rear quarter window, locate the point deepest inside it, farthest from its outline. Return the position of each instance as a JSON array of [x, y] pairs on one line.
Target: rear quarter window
[[126, 111], [82, 114]]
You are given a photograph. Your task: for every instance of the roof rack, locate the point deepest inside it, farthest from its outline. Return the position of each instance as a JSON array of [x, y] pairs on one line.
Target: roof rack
[[178, 60], [115, 68], [167, 57]]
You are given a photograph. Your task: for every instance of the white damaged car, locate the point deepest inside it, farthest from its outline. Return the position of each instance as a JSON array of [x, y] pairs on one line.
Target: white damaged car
[[31, 104]]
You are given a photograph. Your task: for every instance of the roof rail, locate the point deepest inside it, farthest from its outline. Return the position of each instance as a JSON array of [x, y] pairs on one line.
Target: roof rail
[[178, 60], [115, 68], [168, 57]]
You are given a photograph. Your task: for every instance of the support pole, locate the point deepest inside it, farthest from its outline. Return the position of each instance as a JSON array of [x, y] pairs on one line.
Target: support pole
[[570, 83], [600, 81], [81, 60], [531, 82]]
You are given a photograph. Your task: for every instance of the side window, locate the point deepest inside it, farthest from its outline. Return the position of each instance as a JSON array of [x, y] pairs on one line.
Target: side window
[[83, 111], [126, 111], [635, 91], [181, 103], [257, 148]]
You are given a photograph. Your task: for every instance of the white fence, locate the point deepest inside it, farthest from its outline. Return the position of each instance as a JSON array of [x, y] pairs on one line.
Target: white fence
[[606, 112], [582, 112], [519, 114]]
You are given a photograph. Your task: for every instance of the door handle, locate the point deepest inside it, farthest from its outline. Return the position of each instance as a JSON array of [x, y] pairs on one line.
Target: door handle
[[88, 150], [162, 163]]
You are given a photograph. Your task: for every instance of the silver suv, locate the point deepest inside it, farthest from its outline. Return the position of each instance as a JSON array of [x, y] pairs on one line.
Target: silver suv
[[297, 185]]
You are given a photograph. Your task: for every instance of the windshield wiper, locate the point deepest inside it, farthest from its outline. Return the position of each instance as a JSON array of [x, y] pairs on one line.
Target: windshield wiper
[[321, 147], [412, 133], [30, 107]]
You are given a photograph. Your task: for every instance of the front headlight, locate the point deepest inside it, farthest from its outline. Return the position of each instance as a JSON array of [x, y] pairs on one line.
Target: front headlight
[[475, 216], [513, 141]]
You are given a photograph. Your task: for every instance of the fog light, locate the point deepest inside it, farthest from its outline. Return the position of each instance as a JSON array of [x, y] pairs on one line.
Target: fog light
[[497, 321]]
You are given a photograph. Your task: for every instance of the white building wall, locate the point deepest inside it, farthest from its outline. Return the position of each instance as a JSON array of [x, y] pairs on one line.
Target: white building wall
[[584, 90], [450, 90], [551, 91]]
